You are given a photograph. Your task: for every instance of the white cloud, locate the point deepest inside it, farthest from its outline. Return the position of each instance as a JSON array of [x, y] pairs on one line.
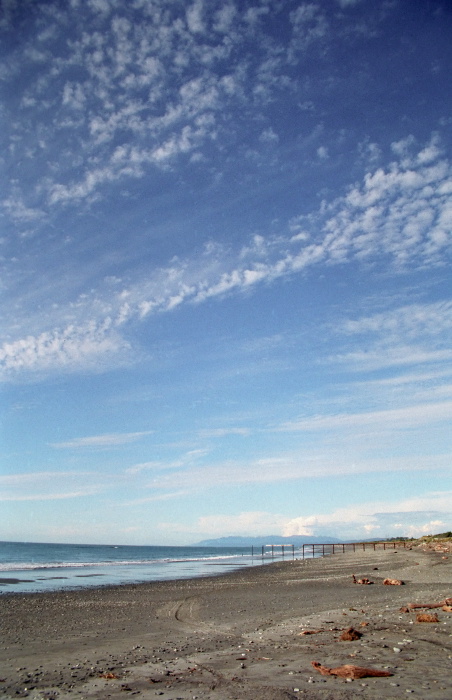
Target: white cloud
[[406, 417], [348, 3], [156, 497], [101, 6], [68, 350], [107, 440], [186, 460], [429, 514], [256, 522], [224, 18], [35, 478], [409, 517], [48, 486], [154, 466], [194, 16], [387, 356], [424, 528], [73, 95], [309, 25], [292, 466], [413, 321], [269, 136], [116, 57], [416, 334], [19, 212], [223, 432], [414, 378], [400, 214], [46, 496]]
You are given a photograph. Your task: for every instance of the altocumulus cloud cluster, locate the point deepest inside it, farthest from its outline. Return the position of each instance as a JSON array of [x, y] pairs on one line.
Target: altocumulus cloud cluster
[[225, 248], [403, 216]]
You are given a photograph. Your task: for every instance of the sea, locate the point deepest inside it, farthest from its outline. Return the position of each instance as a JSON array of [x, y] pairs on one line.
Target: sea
[[27, 567]]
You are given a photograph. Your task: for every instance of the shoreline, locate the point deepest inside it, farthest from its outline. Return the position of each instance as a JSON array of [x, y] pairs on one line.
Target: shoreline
[[74, 575], [237, 634], [119, 573]]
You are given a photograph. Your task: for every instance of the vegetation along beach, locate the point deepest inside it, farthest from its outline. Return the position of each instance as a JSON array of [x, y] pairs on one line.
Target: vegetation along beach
[[299, 628]]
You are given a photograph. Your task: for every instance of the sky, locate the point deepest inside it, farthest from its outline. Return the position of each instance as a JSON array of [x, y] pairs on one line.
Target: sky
[[225, 249]]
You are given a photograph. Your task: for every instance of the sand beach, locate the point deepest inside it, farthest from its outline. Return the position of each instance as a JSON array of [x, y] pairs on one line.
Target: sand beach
[[246, 635]]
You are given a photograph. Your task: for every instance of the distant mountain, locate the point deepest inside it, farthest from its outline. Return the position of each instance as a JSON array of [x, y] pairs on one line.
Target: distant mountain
[[297, 540]]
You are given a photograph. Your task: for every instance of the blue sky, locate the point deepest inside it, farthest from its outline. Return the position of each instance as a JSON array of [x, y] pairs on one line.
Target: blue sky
[[225, 242]]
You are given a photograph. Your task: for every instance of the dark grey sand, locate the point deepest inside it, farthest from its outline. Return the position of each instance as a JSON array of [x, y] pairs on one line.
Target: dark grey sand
[[237, 636]]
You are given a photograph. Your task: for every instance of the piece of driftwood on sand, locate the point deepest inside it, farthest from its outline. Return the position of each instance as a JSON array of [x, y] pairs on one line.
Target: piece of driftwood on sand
[[349, 671]]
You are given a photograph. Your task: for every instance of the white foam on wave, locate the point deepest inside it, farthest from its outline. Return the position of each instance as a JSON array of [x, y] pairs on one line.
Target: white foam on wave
[[36, 566]]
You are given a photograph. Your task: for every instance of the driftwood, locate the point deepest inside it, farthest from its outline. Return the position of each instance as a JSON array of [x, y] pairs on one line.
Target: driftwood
[[349, 671], [364, 581], [415, 606], [301, 634], [427, 617], [350, 635], [393, 582]]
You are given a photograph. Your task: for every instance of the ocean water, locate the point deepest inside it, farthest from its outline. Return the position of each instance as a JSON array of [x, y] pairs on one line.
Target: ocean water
[[30, 567]]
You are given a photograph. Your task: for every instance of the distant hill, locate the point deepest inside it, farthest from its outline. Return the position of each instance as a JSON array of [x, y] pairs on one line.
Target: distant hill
[[297, 540]]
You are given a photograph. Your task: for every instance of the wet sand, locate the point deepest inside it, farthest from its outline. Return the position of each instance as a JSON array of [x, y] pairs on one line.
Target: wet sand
[[237, 636]]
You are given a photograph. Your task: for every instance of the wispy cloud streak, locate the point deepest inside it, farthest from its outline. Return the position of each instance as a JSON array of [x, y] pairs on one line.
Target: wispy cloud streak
[[49, 486], [402, 214], [102, 441], [406, 417]]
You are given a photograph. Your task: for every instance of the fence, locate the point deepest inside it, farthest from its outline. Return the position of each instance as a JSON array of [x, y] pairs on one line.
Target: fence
[[348, 546], [322, 549], [272, 547]]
